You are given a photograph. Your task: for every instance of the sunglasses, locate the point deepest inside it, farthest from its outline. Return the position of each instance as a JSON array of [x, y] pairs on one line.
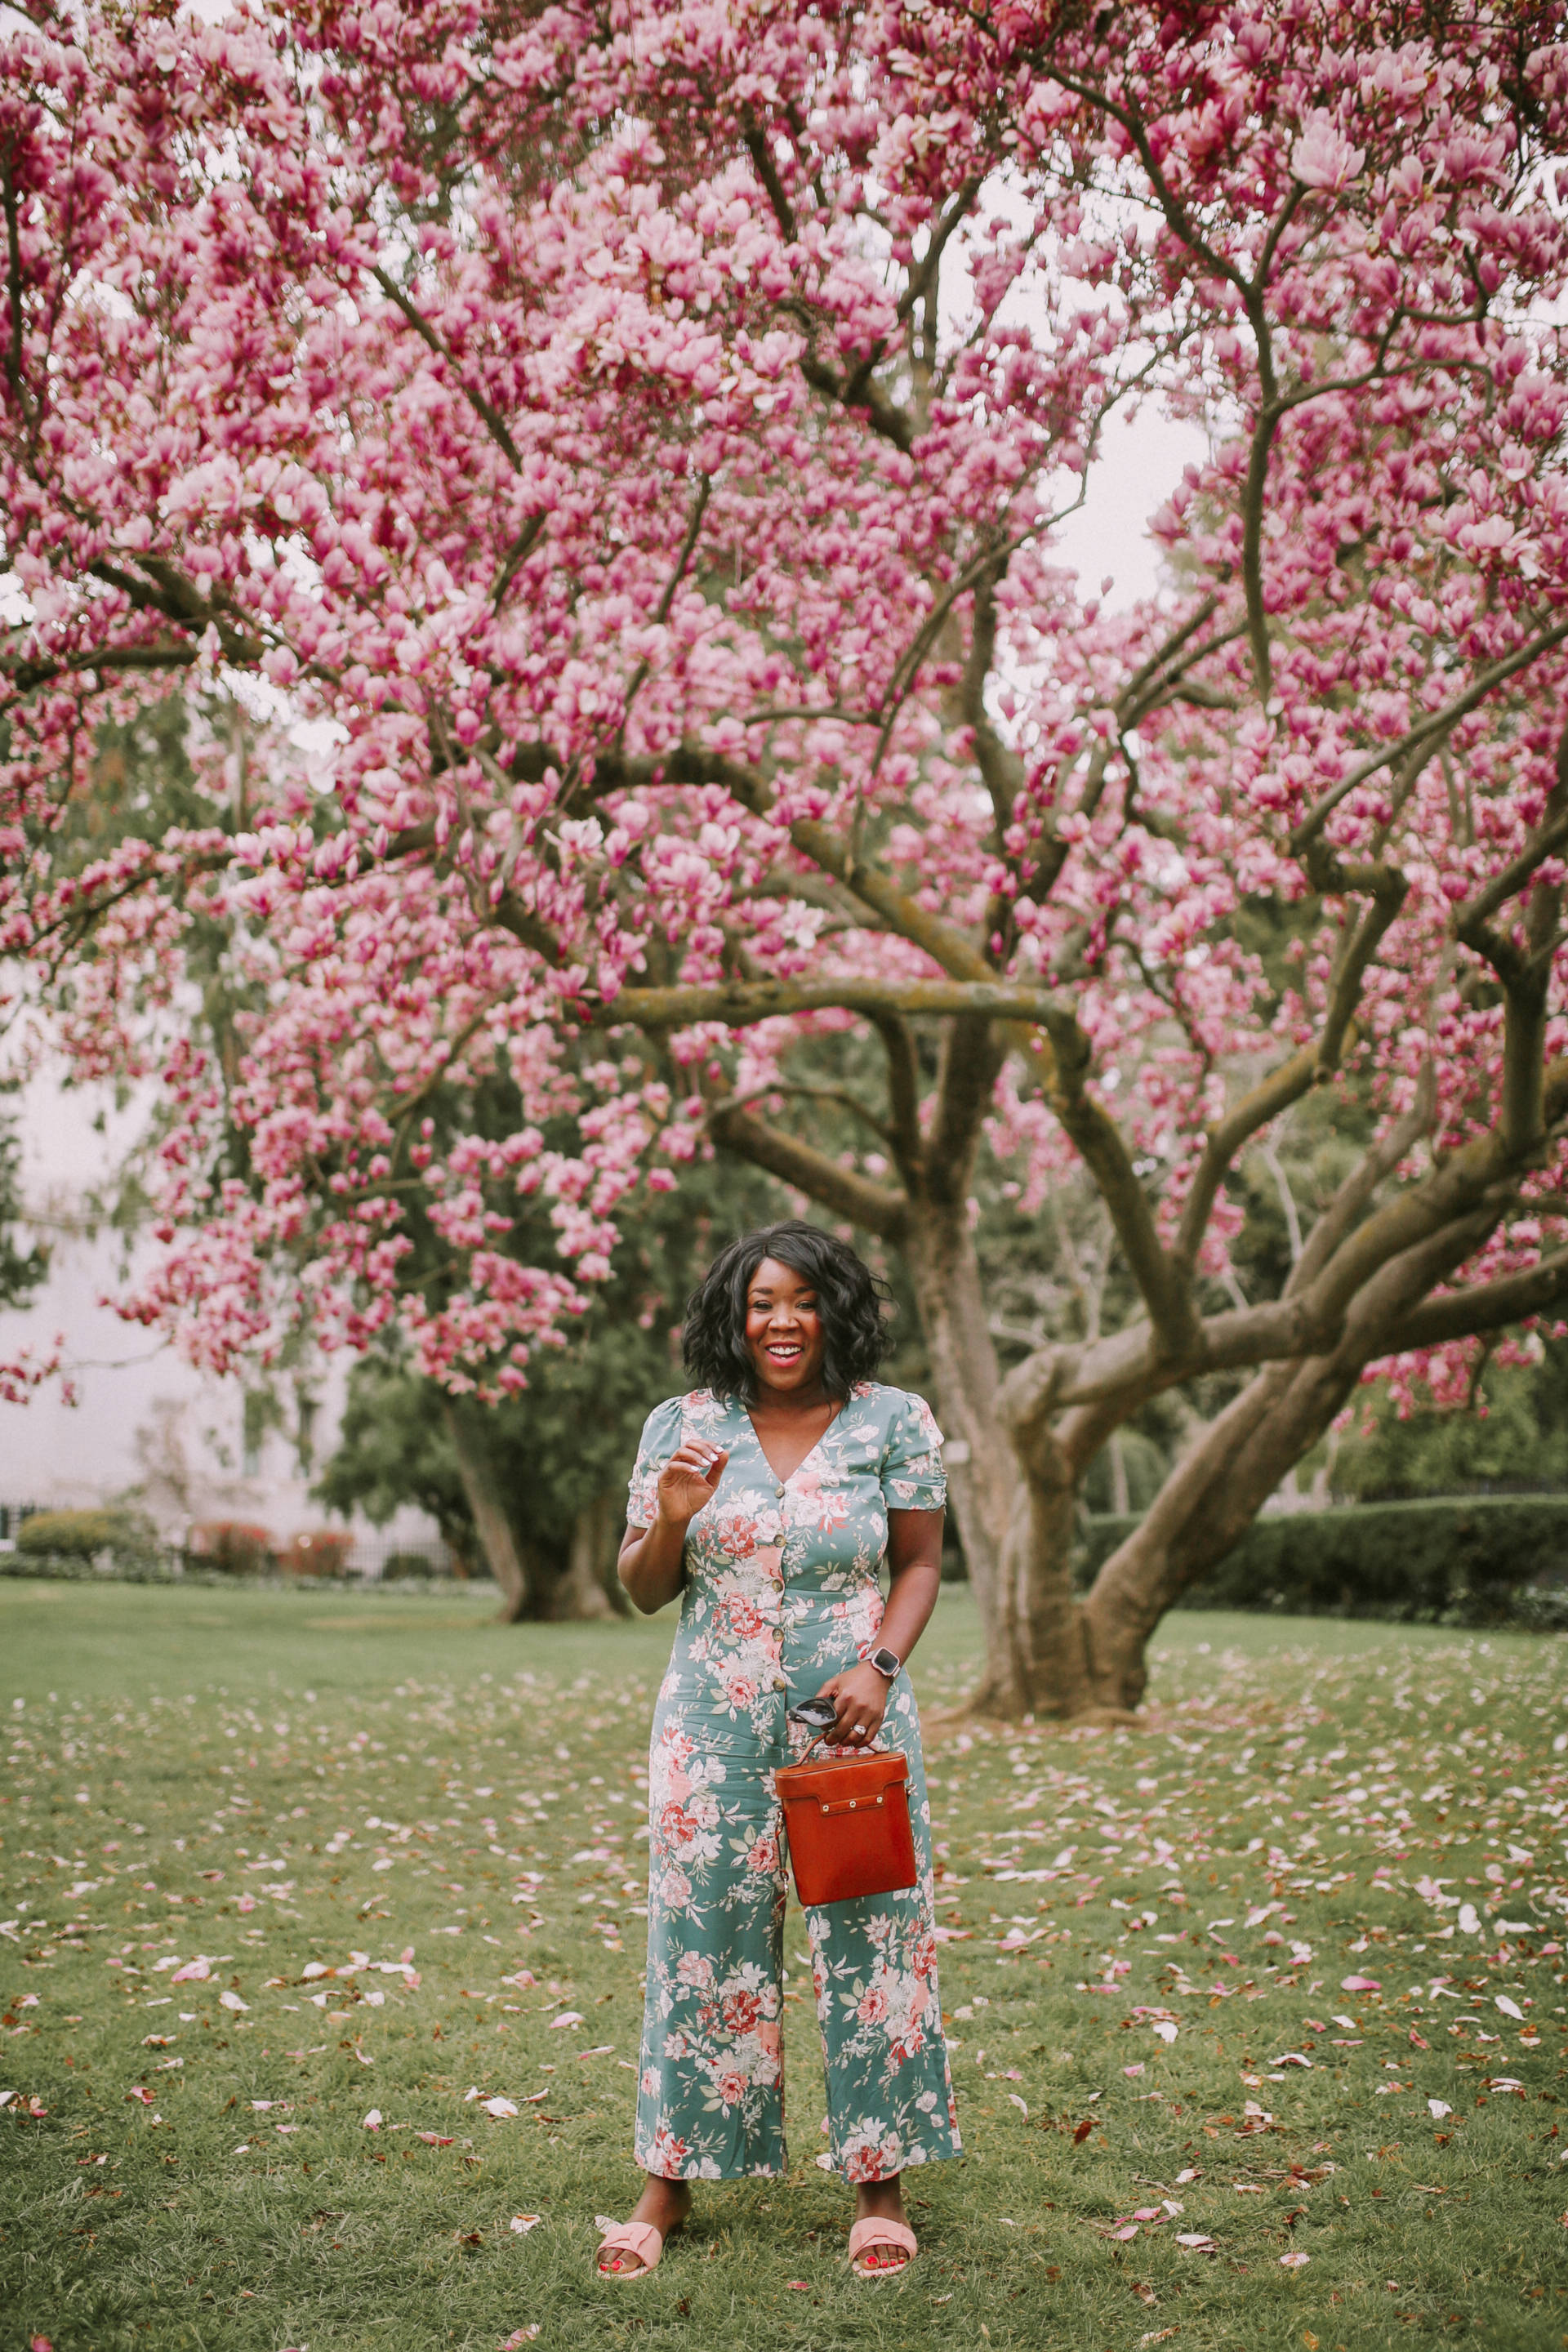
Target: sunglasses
[[814, 1714]]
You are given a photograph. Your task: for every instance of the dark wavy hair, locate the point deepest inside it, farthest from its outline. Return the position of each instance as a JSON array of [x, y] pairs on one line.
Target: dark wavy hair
[[849, 1299]]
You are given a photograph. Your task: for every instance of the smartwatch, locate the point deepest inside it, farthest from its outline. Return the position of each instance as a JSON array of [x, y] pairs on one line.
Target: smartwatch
[[885, 1662]]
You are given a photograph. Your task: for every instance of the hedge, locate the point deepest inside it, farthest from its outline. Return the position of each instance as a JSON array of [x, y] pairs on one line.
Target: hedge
[[82, 1535], [1450, 1560], [177, 1568], [103, 1567]]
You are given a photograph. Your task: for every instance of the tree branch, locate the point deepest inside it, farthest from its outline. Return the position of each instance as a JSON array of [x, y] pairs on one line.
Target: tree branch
[[516, 556], [1489, 1307], [1159, 680], [1426, 734], [688, 548], [15, 375], [24, 676], [1525, 971], [1253, 499], [768, 173], [1337, 1296], [1467, 922], [1130, 1366], [925, 270], [1356, 1193], [509, 914], [903, 1093], [1001, 767], [1294, 1076], [947, 946], [971, 1055], [1276, 1168], [876, 1207], [488, 416], [986, 566], [1471, 1183], [796, 1092], [862, 391], [178, 599], [1161, 1282], [738, 1004], [1152, 675], [1470, 922]]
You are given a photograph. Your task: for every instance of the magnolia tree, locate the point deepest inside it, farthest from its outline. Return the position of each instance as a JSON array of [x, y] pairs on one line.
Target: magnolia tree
[[640, 443]]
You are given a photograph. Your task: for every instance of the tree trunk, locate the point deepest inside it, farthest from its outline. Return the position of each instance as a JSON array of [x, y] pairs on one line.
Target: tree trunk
[[1042, 1618], [492, 1522], [583, 1591], [1205, 1506], [1120, 1501], [982, 1480], [1016, 1500]]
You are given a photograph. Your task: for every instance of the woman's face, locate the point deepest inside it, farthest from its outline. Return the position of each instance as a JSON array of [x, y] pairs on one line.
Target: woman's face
[[784, 1337]]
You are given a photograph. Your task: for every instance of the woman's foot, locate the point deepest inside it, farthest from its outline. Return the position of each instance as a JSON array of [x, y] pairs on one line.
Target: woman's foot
[[663, 2206], [880, 2200]]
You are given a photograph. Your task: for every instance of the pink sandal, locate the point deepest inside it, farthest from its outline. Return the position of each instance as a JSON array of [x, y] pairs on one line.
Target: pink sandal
[[639, 2238], [875, 2231]]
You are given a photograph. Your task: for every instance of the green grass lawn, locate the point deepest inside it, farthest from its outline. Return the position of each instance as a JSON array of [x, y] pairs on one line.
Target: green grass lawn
[[270, 1783]]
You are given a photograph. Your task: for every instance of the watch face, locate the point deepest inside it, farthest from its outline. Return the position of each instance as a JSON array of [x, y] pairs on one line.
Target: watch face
[[884, 1662]]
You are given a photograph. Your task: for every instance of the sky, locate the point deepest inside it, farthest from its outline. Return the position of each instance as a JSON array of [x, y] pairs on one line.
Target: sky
[[1142, 462]]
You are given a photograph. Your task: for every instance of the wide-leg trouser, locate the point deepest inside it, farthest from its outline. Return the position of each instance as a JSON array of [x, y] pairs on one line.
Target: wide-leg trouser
[[711, 2088]]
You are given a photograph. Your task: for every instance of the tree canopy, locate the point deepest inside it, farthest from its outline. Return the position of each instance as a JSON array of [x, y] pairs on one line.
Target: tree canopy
[[638, 445]]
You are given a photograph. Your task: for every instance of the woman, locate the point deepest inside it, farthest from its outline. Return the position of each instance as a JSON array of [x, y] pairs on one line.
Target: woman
[[773, 1494]]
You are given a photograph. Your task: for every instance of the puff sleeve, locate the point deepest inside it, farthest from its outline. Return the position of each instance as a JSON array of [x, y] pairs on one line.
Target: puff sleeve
[[660, 1436], [912, 1475]]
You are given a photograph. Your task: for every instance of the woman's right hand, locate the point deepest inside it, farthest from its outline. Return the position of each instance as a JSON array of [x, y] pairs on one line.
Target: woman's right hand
[[689, 1480]]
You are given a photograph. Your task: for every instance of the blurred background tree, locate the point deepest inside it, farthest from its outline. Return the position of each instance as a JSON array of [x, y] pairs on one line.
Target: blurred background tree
[[552, 1461], [1512, 1437], [21, 1270]]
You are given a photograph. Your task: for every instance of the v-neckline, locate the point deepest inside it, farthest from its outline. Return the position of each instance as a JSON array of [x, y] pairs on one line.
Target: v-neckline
[[805, 1457]]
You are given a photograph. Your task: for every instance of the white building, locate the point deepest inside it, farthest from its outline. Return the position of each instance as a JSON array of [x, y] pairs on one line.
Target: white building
[[147, 1426]]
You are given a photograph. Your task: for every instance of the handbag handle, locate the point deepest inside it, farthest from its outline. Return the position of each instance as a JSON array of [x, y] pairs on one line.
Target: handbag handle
[[805, 1752]]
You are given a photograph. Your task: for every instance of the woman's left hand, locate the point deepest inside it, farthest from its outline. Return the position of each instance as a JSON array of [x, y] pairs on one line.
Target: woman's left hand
[[861, 1697]]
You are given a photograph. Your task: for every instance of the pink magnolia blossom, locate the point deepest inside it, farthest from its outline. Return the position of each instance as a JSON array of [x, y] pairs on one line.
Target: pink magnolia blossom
[[1323, 157]]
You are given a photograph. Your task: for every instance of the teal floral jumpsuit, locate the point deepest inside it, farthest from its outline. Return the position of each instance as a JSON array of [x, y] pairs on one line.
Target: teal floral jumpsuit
[[782, 1590]]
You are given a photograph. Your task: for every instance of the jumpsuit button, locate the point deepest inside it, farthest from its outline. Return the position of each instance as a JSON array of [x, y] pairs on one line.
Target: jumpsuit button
[[779, 1683]]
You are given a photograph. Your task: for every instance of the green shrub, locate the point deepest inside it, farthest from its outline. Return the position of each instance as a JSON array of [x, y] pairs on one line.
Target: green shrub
[[82, 1535], [1455, 1559], [407, 1563]]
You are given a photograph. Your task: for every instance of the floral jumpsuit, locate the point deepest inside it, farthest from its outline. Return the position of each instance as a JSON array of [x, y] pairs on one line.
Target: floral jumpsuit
[[782, 1590]]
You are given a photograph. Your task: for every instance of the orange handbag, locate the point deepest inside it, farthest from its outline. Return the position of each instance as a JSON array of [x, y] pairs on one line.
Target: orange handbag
[[848, 1820]]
